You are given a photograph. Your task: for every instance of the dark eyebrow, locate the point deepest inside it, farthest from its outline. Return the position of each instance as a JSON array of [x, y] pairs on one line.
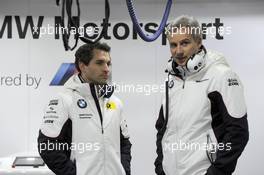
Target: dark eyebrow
[[185, 40], [102, 61]]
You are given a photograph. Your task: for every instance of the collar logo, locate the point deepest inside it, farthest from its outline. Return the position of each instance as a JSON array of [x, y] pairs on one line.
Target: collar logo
[[111, 105], [82, 103]]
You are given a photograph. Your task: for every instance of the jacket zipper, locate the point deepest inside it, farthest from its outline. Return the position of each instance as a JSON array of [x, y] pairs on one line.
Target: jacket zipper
[[177, 129], [102, 128], [102, 113], [96, 100], [103, 152], [183, 79], [167, 113]]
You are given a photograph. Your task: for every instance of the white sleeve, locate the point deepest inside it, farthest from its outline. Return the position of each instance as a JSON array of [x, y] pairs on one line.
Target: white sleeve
[[232, 91], [123, 124], [55, 116]]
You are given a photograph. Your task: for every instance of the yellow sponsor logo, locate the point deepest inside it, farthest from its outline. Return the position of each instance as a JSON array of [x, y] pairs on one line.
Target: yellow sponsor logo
[[110, 105]]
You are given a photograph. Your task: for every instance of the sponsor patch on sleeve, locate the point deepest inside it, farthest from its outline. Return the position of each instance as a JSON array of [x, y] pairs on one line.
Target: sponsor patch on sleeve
[[232, 82], [53, 102]]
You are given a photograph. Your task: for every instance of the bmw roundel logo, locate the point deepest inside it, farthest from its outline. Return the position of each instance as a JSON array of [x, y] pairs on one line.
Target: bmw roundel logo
[[171, 84], [82, 103]]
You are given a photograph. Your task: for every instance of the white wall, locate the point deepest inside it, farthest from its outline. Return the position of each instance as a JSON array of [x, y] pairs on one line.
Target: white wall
[[134, 62]]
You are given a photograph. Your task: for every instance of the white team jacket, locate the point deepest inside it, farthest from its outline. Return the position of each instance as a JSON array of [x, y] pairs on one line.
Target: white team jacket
[[206, 129], [96, 141]]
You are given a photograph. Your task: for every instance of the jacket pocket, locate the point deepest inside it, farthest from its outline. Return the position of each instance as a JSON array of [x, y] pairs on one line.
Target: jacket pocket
[[211, 146]]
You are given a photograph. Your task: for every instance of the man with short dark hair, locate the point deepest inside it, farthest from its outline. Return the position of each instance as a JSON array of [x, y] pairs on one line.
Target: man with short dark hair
[[84, 131], [202, 124]]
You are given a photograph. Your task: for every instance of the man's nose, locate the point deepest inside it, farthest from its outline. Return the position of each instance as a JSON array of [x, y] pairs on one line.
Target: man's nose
[[106, 68], [179, 50]]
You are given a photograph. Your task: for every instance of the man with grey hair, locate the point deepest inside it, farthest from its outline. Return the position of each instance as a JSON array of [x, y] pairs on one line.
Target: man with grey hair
[[202, 124]]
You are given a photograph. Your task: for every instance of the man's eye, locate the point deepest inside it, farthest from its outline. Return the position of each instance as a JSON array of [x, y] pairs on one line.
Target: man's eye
[[173, 45], [184, 43], [109, 64]]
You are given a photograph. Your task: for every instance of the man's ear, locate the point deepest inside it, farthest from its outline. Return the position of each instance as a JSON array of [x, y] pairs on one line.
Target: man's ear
[[81, 66], [199, 43]]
